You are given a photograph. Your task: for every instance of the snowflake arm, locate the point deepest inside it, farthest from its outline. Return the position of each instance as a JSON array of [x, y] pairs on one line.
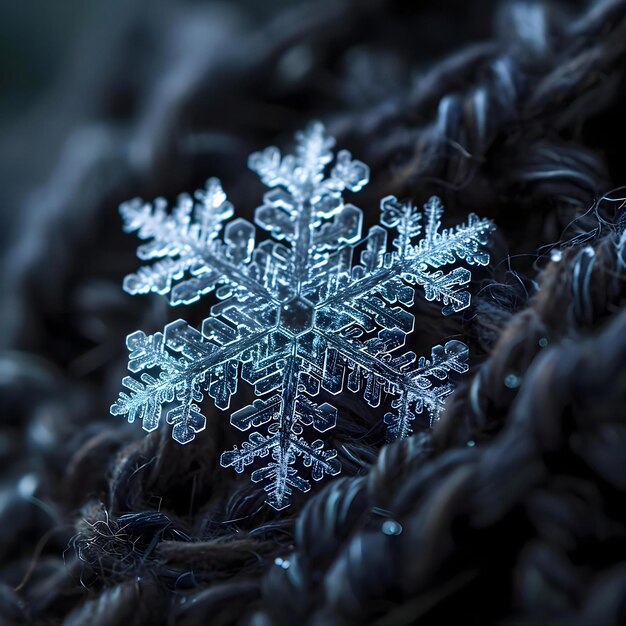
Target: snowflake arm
[[287, 414], [187, 245], [190, 366], [410, 261], [377, 365]]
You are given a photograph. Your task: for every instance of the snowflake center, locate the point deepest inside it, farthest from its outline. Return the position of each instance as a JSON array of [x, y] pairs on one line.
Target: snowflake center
[[296, 316]]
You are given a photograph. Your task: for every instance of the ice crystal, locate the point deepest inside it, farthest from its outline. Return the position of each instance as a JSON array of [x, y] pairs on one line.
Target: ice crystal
[[296, 313]]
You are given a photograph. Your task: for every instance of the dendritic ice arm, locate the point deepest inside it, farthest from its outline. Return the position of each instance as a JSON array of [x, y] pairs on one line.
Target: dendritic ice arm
[[378, 366], [191, 365], [384, 272], [189, 257], [436, 249], [285, 416], [426, 387]]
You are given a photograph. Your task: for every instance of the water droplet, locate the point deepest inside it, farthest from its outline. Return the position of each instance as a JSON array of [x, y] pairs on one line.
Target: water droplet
[[294, 64], [543, 342], [391, 527], [284, 563], [471, 443], [512, 381], [27, 486], [555, 256]]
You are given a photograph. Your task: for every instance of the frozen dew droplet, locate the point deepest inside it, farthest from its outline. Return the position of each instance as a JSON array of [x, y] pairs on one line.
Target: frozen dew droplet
[[27, 486], [391, 527], [512, 381], [555, 256]]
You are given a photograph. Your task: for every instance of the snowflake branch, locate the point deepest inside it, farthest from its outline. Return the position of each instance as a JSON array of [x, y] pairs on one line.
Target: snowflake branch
[[179, 375]]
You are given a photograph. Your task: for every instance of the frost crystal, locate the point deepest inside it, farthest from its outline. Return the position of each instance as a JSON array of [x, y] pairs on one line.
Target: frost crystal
[[296, 313]]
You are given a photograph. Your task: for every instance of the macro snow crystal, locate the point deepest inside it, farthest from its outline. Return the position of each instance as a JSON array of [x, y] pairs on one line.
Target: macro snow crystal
[[313, 306]]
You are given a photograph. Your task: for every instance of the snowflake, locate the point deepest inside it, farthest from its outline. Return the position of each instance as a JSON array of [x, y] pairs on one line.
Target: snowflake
[[295, 313]]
